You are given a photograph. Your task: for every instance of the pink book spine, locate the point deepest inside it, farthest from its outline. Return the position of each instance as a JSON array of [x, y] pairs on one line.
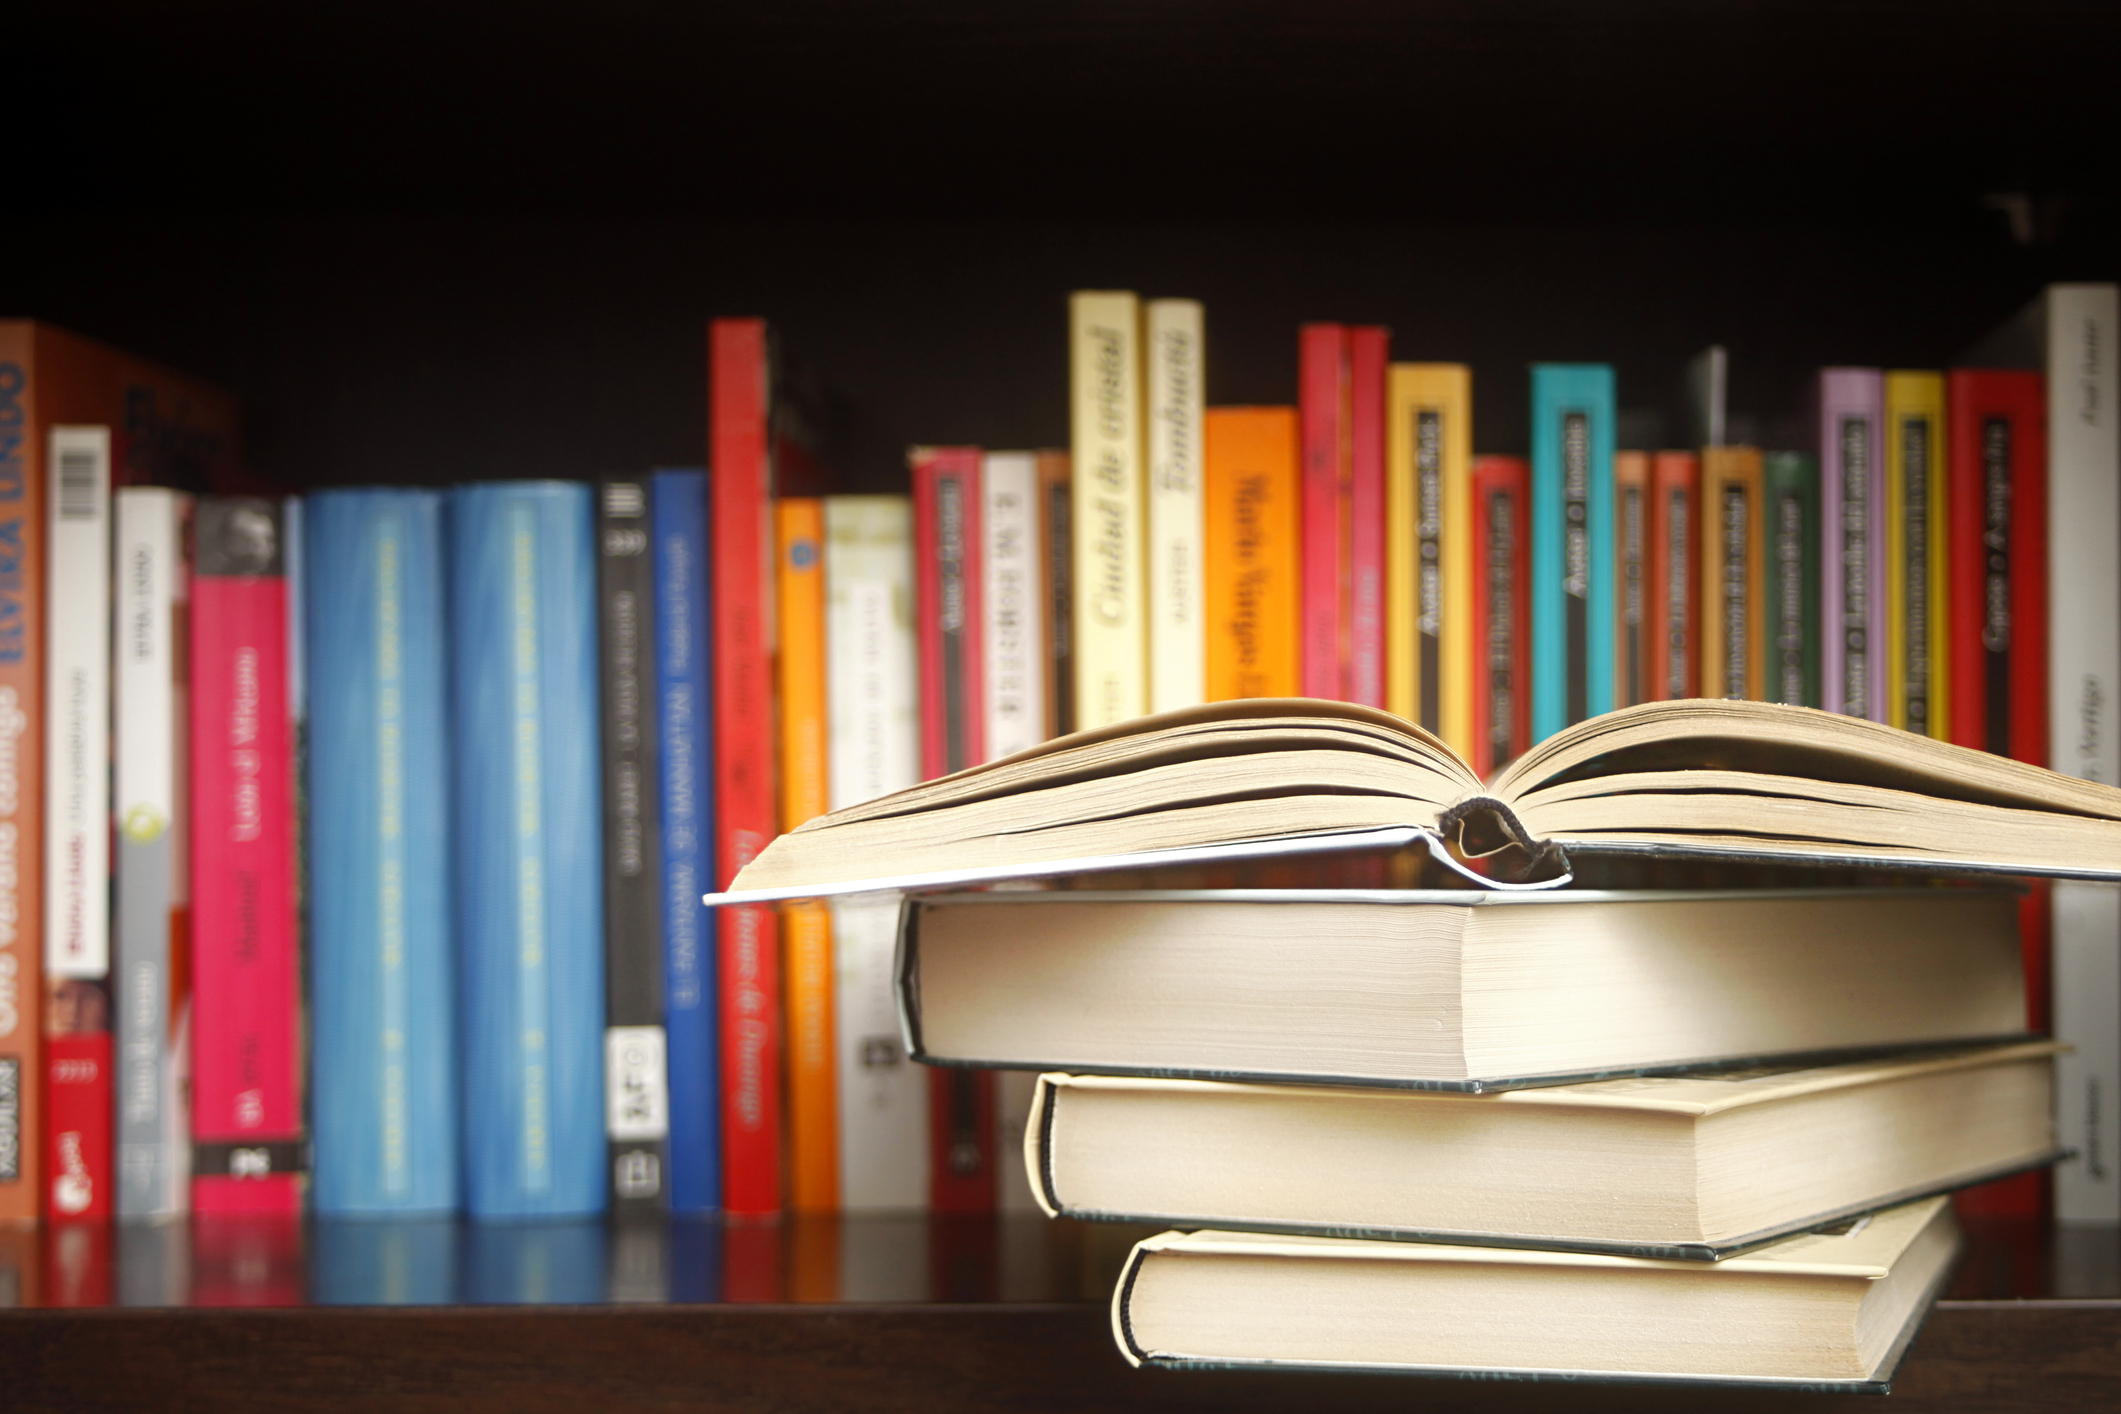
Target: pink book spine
[[1323, 406], [246, 1099], [1369, 349], [1852, 566]]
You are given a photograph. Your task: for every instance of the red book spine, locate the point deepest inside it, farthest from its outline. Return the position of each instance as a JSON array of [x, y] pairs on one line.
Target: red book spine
[[246, 1050], [947, 549], [1322, 405], [738, 396], [1674, 554], [1369, 350], [1502, 612], [1996, 521]]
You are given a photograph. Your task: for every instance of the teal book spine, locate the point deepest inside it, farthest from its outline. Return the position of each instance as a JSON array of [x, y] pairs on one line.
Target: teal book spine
[[1790, 484], [529, 848], [383, 1087], [1572, 544]]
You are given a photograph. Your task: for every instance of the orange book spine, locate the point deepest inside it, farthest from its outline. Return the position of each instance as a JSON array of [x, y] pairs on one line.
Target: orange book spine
[[806, 928], [1253, 555], [1632, 620], [1674, 576], [23, 418], [1733, 575]]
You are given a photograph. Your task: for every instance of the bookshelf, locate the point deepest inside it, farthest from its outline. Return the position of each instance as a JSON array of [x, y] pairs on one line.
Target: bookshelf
[[427, 243]]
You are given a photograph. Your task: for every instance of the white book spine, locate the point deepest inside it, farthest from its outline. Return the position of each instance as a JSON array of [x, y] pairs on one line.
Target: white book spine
[[152, 590], [875, 749], [2084, 689], [1178, 644], [1014, 654], [1111, 650], [77, 708]]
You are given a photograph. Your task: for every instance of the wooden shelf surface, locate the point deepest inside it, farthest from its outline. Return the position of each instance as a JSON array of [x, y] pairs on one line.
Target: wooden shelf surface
[[891, 1313]]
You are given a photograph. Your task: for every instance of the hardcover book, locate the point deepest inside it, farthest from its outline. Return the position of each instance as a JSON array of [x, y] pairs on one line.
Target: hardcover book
[[1572, 544], [1056, 552], [1429, 550], [1110, 615], [685, 737], [636, 1084], [1694, 1167], [382, 966], [1369, 350], [1852, 573], [1918, 609], [1470, 992], [249, 1153], [1501, 628], [1253, 554], [1013, 653], [1675, 576], [1789, 487], [1323, 405], [871, 667], [799, 600], [77, 753], [151, 961], [1174, 354], [529, 848], [740, 396], [1733, 575], [1825, 1311]]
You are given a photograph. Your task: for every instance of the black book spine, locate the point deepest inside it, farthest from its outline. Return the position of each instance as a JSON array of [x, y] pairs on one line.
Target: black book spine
[[636, 1082]]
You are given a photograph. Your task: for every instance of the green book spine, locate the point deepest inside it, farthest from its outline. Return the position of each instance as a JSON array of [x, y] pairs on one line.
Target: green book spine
[[1792, 486]]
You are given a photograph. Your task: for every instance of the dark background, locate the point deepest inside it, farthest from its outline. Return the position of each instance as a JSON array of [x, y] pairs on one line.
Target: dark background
[[455, 240]]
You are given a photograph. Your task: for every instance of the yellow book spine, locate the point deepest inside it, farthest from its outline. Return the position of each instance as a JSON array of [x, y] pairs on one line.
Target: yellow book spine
[[1917, 674], [1631, 578], [1105, 397], [1733, 574], [813, 1102], [1176, 376], [1251, 552], [1429, 547]]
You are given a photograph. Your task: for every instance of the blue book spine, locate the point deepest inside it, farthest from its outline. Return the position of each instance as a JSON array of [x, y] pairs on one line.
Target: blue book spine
[[529, 848], [383, 1081], [678, 508], [1572, 544]]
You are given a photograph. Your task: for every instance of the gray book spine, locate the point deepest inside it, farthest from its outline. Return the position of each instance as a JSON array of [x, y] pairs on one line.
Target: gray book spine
[[153, 996]]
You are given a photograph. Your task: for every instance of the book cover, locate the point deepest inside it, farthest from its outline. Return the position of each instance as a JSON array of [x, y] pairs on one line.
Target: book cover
[[1369, 351], [1056, 554], [1631, 587], [1733, 640], [1675, 575], [948, 579], [1429, 554], [1995, 505], [741, 483], [684, 729], [151, 943], [1502, 613], [382, 969], [1323, 393], [1174, 354], [1253, 553], [1013, 646], [77, 749], [636, 1083], [529, 847], [1110, 617], [871, 675], [248, 1149], [806, 927], [1789, 484], [1852, 575], [1572, 544], [1918, 613]]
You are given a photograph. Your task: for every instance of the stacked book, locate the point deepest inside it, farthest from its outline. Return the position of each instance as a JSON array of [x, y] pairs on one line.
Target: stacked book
[[1526, 1128]]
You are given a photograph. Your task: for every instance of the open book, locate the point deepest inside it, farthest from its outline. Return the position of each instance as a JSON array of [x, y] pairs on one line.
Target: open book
[[1737, 780]]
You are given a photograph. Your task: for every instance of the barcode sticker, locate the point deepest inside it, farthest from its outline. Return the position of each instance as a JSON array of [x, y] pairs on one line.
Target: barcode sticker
[[80, 471]]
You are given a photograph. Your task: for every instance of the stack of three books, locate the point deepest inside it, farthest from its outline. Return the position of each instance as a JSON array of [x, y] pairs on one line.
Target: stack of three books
[[1626, 1135]]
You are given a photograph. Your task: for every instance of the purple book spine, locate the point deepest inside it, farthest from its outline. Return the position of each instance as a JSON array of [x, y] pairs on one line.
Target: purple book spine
[[1852, 565]]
